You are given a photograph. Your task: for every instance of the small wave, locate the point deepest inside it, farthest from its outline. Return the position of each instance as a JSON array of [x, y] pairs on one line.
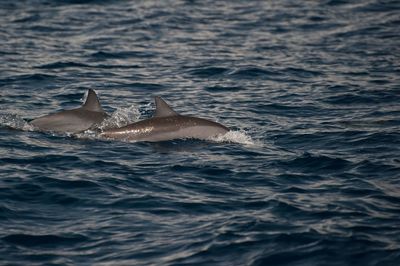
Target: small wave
[[146, 86], [37, 77], [27, 18], [28, 240], [254, 72], [14, 121], [103, 55], [316, 162], [209, 72], [302, 73], [223, 88], [62, 64]]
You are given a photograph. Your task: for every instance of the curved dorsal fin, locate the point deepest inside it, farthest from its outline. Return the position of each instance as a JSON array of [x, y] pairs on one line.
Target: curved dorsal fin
[[162, 108], [92, 102]]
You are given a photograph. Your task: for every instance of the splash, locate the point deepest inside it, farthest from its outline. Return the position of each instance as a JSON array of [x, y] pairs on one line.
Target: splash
[[14, 121], [121, 117], [240, 137], [85, 95]]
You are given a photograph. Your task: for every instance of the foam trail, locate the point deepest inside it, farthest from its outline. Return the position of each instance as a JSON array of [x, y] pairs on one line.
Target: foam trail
[[14, 121]]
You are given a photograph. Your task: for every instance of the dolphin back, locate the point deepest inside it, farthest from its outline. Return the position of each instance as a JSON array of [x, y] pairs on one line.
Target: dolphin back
[[75, 120]]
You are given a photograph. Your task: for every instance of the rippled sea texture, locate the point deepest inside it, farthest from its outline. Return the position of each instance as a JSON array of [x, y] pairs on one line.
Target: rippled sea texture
[[314, 84]]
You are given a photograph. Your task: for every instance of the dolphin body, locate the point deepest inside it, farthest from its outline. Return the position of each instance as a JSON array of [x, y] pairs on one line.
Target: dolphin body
[[166, 124], [75, 120]]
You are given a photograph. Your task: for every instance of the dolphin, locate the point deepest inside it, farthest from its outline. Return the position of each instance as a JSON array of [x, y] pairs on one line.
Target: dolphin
[[166, 124], [75, 120]]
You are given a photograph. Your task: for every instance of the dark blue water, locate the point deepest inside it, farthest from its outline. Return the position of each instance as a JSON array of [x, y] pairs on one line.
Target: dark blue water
[[310, 174]]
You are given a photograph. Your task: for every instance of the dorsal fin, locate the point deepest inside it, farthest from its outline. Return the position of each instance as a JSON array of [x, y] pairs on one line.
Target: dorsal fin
[[162, 108], [92, 102]]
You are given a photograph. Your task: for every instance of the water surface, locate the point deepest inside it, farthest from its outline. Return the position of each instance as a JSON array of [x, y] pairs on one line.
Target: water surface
[[309, 176]]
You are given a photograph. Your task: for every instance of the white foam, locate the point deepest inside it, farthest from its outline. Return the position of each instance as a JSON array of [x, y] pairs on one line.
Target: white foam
[[121, 117], [85, 95], [240, 137], [15, 122]]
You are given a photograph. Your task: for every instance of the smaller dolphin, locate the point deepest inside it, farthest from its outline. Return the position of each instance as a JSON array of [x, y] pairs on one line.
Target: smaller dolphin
[[75, 120], [166, 124]]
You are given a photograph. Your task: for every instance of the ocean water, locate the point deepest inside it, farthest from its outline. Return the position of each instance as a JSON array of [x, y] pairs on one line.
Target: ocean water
[[309, 175]]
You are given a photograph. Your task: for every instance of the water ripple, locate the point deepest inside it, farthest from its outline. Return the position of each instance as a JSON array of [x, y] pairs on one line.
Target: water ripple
[[44, 240]]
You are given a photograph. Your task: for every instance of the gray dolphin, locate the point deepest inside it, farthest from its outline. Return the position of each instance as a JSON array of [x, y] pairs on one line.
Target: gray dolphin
[[166, 124], [75, 120]]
